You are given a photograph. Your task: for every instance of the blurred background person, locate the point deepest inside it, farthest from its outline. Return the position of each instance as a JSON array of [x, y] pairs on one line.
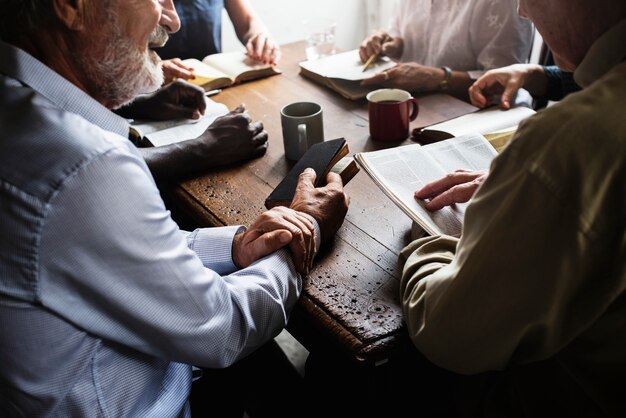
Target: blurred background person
[[201, 34], [447, 44]]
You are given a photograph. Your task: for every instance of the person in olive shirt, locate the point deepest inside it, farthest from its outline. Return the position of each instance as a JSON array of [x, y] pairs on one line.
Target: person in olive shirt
[[534, 291]]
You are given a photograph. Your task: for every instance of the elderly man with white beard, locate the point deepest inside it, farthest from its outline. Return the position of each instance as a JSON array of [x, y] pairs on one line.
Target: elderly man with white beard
[[104, 302]]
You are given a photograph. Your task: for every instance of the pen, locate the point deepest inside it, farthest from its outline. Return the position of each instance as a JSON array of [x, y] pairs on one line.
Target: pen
[[212, 92], [373, 57]]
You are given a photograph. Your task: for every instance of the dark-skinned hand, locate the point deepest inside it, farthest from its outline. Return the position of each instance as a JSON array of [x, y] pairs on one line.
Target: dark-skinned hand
[[327, 204], [231, 138], [176, 100]]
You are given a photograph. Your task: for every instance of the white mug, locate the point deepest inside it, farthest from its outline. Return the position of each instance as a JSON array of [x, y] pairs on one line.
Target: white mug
[[303, 126]]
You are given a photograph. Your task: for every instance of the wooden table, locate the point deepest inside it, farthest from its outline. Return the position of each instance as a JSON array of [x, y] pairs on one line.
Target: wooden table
[[350, 299]]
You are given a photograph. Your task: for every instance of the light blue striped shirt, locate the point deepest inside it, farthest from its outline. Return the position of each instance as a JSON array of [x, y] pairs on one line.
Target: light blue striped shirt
[[104, 302]]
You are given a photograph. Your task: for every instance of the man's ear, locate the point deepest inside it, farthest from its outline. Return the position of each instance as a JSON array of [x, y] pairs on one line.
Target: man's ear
[[71, 13]]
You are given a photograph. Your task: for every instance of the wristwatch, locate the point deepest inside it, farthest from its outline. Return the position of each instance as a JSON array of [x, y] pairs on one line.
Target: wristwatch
[[447, 75]]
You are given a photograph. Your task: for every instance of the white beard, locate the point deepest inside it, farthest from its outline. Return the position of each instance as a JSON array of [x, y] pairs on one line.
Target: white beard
[[117, 69]]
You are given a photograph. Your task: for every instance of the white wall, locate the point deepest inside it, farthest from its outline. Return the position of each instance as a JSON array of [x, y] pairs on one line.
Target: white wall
[[355, 19]]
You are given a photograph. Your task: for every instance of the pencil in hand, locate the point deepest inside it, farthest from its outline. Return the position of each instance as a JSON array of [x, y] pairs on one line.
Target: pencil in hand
[[369, 61], [374, 57]]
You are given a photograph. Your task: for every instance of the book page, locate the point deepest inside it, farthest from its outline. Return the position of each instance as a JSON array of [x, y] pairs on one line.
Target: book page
[[234, 63], [346, 66], [400, 171], [178, 130], [484, 121]]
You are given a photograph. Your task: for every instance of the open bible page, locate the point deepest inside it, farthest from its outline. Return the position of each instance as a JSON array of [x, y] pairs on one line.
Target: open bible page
[[400, 171], [178, 130], [346, 66]]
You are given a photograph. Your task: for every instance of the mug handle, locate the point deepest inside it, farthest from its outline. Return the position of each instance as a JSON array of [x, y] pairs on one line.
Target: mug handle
[[415, 109], [302, 139]]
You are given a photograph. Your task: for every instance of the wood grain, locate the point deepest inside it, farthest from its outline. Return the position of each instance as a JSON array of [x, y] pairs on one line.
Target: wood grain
[[350, 299]]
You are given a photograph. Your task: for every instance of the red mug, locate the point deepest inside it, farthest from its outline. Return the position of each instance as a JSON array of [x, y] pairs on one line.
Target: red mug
[[390, 112]]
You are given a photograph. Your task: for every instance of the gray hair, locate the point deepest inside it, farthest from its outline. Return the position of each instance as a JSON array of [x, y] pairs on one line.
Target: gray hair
[[18, 17]]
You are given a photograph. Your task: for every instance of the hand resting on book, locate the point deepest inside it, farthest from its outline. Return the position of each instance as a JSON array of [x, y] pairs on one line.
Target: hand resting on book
[[294, 226], [231, 138], [327, 204], [456, 187], [175, 68]]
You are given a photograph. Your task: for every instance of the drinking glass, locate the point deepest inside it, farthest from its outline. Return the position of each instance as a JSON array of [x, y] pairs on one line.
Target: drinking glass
[[320, 37]]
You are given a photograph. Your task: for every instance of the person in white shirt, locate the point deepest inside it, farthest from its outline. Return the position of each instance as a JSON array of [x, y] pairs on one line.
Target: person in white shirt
[[447, 44]]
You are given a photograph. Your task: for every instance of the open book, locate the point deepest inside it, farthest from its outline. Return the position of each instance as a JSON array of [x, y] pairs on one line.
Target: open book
[[157, 133], [493, 121], [343, 73], [227, 68], [400, 171]]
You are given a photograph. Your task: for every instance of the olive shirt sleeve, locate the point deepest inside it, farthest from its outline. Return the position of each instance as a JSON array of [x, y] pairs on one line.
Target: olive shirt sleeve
[[533, 268]]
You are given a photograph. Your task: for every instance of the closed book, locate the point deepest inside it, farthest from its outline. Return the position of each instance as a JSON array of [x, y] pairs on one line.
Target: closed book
[[322, 157]]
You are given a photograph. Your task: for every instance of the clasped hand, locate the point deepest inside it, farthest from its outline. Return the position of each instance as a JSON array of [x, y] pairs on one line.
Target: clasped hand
[[294, 226]]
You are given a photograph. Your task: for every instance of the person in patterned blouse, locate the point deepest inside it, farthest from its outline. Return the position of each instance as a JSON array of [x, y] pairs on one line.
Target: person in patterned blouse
[[447, 44]]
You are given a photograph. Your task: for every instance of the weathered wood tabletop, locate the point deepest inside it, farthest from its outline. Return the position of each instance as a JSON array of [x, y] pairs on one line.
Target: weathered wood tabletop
[[350, 299]]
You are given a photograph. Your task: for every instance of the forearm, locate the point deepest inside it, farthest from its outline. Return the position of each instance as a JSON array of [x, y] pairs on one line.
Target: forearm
[[558, 83], [174, 161], [135, 109], [459, 84], [536, 81], [245, 21]]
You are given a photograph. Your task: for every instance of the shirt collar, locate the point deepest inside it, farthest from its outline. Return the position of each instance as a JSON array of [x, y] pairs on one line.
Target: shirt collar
[[20, 65], [605, 53]]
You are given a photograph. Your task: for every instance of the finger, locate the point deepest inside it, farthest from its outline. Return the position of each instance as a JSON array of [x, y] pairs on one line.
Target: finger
[[260, 138], [259, 47], [259, 150], [368, 49], [508, 94], [181, 64], [441, 185], [256, 127], [377, 44], [250, 47], [363, 54], [333, 179], [239, 109], [477, 97], [307, 178], [276, 55], [267, 53], [269, 242], [457, 194], [302, 230], [307, 223]]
